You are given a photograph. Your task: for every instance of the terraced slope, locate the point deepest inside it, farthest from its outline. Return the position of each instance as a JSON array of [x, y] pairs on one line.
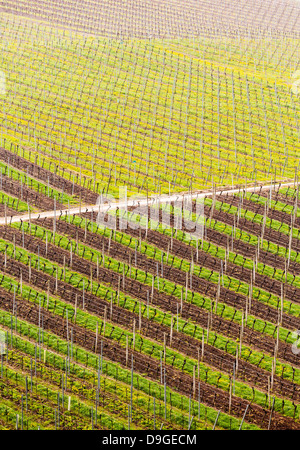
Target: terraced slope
[[156, 115], [106, 325], [149, 326], [162, 18]]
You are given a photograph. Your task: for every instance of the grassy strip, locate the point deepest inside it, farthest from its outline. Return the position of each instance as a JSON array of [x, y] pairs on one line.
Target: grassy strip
[[111, 370], [14, 203], [254, 218], [142, 403], [51, 395], [38, 186], [186, 266], [155, 350], [276, 205], [194, 330], [10, 414]]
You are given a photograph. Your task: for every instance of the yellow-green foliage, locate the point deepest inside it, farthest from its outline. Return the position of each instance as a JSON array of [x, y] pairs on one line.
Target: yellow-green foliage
[[152, 114]]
